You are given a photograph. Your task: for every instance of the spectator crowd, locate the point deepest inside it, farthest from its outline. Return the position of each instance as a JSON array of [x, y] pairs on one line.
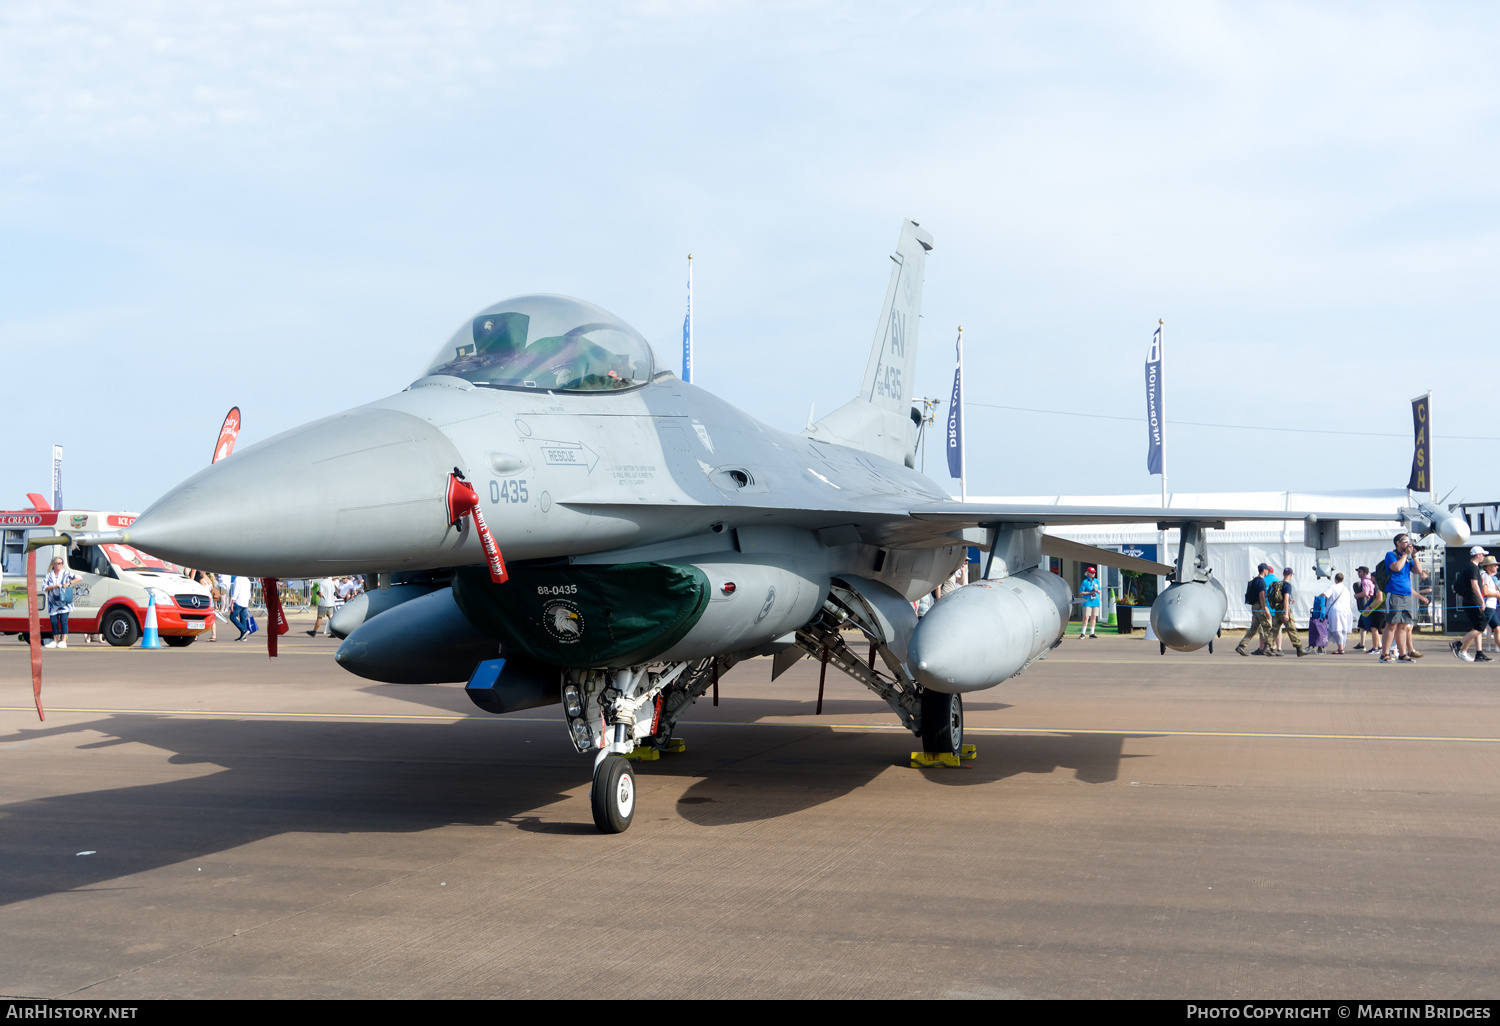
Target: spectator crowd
[[1380, 606]]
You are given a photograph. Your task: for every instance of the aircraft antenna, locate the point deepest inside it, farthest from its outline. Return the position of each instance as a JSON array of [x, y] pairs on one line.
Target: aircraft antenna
[[929, 416], [687, 328]]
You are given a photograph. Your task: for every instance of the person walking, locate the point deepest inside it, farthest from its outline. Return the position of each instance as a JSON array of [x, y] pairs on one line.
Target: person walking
[[1090, 592], [322, 596], [1340, 614], [1468, 597], [206, 579], [1319, 626], [1282, 595], [1273, 633], [239, 601], [224, 608], [1490, 584], [59, 588], [1400, 598], [1371, 602], [1260, 613]]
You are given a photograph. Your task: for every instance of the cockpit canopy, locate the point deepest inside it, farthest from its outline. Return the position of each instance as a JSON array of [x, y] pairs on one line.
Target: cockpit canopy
[[551, 343]]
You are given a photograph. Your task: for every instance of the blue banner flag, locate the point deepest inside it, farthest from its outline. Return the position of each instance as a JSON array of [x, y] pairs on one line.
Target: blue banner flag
[[1421, 457], [956, 417], [1154, 421], [687, 328]]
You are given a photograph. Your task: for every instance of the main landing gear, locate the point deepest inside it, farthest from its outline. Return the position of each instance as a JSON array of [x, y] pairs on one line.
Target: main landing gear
[[942, 723]]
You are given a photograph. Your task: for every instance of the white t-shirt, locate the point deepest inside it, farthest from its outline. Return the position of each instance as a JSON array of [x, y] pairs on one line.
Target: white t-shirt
[[325, 591]]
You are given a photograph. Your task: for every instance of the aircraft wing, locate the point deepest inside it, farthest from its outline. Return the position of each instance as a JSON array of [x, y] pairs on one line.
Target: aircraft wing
[[950, 517], [971, 514]]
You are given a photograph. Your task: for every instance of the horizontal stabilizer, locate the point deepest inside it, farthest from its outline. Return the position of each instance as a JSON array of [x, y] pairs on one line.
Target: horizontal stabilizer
[[1062, 548]]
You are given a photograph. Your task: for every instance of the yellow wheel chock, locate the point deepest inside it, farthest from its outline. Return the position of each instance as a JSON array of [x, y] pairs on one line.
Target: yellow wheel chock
[[927, 760], [646, 753]]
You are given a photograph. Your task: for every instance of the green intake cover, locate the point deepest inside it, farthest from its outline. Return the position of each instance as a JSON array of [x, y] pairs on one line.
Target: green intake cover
[[620, 615]]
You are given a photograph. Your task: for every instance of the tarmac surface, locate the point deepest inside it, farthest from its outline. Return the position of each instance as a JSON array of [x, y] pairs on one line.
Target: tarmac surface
[[205, 822]]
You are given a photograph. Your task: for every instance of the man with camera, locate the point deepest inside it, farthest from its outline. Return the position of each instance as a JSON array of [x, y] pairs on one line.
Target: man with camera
[[1400, 599]]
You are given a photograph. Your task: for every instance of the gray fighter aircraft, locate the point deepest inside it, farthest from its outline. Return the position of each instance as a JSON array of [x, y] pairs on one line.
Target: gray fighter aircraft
[[647, 535]]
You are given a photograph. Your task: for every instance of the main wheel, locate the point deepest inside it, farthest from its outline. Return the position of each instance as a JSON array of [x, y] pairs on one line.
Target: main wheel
[[613, 796], [179, 640], [120, 628], [942, 722]]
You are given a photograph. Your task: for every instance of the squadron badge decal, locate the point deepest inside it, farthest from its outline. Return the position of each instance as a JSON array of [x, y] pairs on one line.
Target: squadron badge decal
[[563, 621]]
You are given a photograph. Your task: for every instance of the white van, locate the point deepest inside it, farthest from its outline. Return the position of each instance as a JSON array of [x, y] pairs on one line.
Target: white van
[[117, 581]]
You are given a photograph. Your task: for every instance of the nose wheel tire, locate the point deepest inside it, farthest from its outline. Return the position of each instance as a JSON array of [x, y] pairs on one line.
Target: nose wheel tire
[[613, 795], [942, 722]]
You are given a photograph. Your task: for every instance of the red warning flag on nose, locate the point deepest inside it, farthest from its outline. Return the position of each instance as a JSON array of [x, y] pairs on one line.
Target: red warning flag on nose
[[463, 501], [270, 590], [34, 626]]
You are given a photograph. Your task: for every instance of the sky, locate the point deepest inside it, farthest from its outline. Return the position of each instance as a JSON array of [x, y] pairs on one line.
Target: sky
[[290, 206]]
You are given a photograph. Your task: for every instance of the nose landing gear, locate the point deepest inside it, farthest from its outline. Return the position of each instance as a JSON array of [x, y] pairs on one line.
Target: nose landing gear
[[618, 713]]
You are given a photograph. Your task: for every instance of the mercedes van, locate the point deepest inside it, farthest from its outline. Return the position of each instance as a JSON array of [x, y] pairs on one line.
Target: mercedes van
[[117, 581]]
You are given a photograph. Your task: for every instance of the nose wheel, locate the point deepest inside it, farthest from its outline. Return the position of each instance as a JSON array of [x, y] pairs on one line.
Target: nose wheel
[[613, 795], [942, 722]]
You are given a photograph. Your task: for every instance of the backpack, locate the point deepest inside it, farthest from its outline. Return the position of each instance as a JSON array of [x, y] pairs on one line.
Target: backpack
[[1250, 592], [1320, 607], [1274, 595], [1382, 574]]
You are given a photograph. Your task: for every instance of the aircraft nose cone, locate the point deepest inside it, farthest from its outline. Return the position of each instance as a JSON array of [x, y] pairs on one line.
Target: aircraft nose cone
[[360, 491]]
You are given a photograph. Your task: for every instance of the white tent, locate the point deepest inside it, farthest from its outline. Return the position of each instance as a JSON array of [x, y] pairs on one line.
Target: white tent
[[1234, 552]]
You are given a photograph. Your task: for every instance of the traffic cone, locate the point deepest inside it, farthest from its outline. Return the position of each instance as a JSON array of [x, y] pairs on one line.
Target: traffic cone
[[150, 639]]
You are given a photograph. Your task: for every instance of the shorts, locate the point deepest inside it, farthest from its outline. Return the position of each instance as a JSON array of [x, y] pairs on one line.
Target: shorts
[[1492, 617], [1478, 621], [1400, 609], [325, 611], [1374, 621]]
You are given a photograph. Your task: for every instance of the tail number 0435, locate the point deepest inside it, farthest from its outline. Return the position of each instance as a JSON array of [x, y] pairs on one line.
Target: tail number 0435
[[509, 491]]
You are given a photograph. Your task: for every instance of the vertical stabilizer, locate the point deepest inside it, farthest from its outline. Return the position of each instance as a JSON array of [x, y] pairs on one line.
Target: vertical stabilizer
[[893, 356], [879, 419]]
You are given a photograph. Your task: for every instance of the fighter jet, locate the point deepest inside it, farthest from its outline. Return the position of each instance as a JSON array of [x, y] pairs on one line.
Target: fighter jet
[[558, 519]]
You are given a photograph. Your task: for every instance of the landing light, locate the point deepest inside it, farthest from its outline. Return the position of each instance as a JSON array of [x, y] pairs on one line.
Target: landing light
[[572, 702]]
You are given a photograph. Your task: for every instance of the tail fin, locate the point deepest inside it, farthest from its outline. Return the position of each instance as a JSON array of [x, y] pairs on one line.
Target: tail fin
[[893, 356], [879, 419]]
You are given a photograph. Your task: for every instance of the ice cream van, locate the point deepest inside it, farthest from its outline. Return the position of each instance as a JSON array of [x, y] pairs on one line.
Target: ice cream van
[[118, 580]]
